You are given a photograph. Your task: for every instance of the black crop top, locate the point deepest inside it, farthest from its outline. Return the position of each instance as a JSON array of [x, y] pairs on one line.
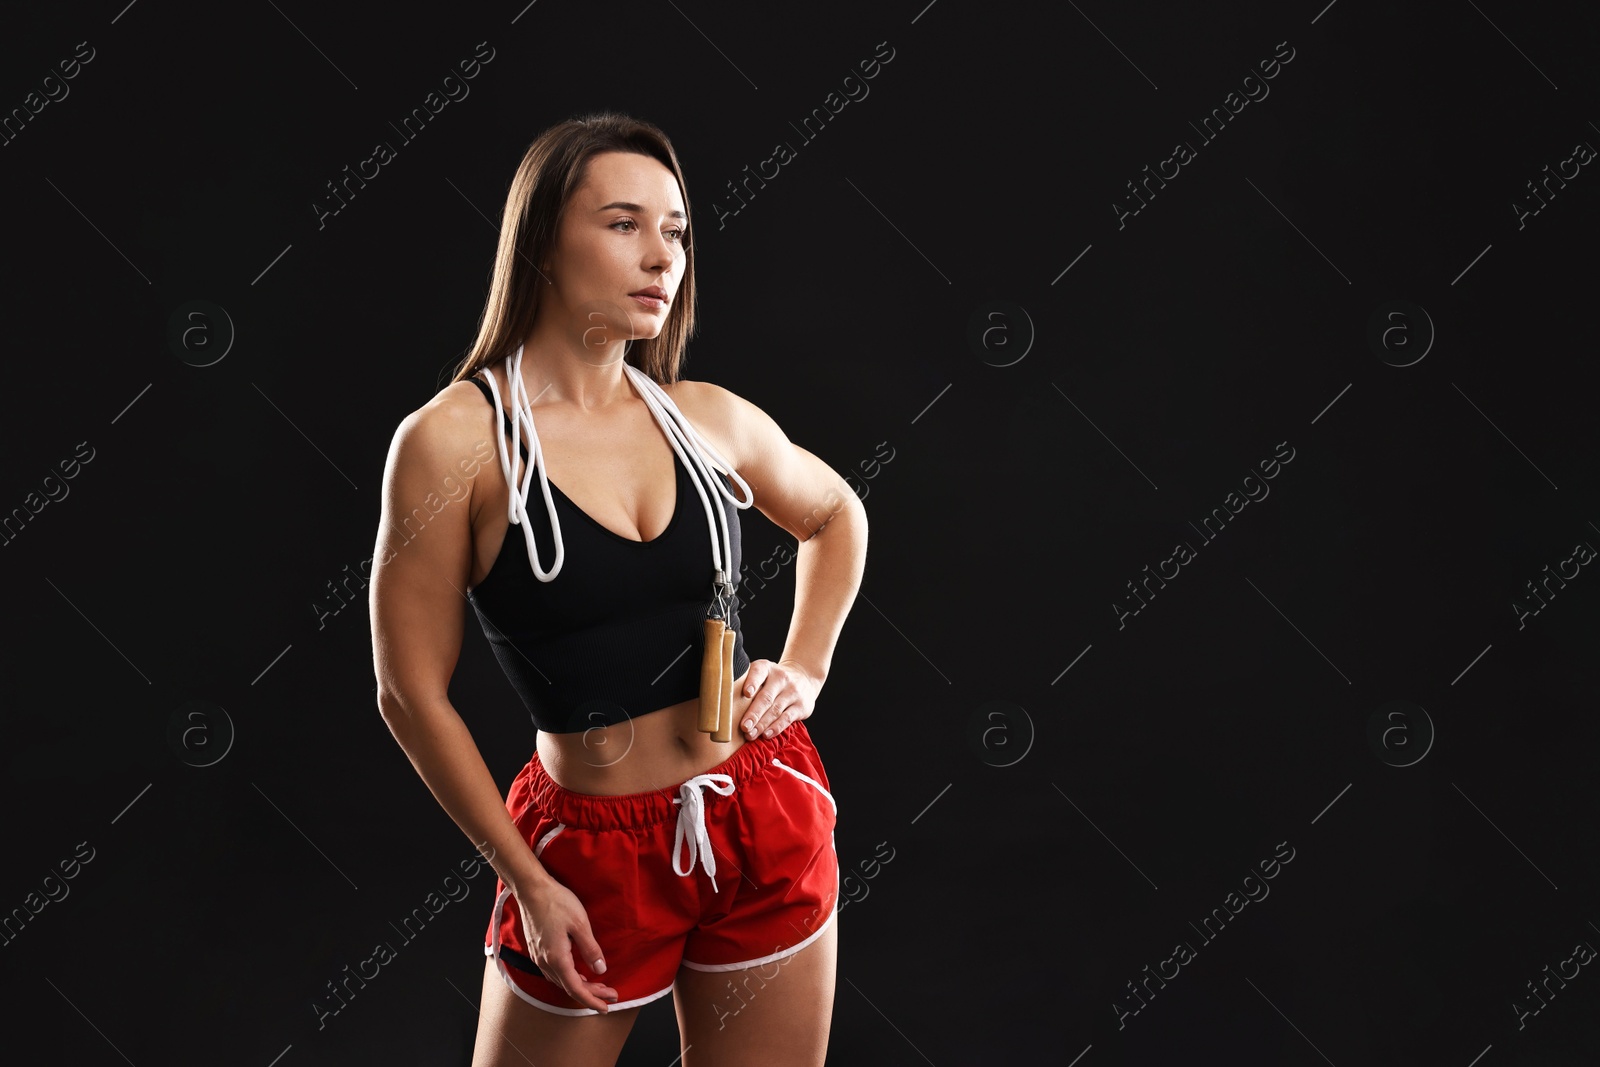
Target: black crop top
[[618, 632]]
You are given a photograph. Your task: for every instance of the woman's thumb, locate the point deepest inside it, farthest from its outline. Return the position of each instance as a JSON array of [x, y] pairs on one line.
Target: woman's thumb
[[588, 949]]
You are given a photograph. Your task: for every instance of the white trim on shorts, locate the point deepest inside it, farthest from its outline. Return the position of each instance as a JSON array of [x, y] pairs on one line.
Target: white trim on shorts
[[807, 778], [545, 840]]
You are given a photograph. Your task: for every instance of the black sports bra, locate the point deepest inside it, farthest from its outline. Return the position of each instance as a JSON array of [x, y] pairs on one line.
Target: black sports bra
[[618, 631]]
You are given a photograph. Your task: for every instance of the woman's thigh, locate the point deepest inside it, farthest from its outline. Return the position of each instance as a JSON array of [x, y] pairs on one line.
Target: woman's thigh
[[777, 1015], [514, 1033]]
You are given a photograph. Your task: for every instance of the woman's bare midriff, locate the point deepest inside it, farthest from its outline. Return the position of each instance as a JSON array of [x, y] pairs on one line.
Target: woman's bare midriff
[[647, 752]]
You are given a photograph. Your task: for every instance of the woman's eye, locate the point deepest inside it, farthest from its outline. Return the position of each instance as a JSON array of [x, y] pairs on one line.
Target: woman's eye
[[679, 234]]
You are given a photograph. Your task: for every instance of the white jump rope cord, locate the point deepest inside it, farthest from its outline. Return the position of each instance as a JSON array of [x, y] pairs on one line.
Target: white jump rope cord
[[678, 429]]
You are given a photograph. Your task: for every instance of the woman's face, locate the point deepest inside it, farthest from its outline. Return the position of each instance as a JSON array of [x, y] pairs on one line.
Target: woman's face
[[624, 231]]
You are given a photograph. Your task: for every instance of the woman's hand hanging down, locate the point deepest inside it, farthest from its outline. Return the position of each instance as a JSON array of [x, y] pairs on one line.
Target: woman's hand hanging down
[[557, 932]]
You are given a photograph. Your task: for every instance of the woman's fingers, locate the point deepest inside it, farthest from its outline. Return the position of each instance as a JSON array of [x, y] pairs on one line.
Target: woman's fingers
[[589, 994], [601, 990], [756, 675], [586, 947], [570, 942], [769, 694], [769, 723], [780, 693]]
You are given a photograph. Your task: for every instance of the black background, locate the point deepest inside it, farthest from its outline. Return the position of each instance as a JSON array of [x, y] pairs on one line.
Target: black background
[[1043, 857]]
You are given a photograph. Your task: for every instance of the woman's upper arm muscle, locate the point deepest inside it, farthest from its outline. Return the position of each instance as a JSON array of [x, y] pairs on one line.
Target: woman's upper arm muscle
[[792, 487], [424, 552]]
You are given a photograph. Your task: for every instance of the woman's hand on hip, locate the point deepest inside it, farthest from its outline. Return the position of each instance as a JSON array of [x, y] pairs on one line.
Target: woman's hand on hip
[[780, 693]]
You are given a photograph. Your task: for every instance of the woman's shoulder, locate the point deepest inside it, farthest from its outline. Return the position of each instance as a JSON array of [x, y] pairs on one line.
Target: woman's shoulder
[[712, 401], [715, 401], [739, 429], [715, 411], [686, 393], [456, 422], [459, 407]]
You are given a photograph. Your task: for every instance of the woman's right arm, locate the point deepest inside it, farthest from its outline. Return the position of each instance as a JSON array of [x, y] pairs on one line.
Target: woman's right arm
[[422, 564], [423, 561]]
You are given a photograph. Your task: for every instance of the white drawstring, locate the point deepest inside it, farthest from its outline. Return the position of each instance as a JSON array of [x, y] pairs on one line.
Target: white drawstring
[[694, 810], [679, 430]]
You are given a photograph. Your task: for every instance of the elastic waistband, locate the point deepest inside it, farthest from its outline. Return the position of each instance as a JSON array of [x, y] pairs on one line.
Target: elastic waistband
[[752, 761]]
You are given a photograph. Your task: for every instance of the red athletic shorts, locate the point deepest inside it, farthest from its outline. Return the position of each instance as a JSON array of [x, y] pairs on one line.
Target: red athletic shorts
[[732, 868]]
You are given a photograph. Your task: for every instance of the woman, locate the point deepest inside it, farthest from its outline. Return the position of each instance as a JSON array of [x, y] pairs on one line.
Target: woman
[[637, 855]]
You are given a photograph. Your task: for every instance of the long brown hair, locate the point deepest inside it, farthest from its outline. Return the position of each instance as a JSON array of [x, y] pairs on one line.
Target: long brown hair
[[552, 169]]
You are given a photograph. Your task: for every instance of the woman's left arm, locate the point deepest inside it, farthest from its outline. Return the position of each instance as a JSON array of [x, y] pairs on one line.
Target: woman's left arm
[[807, 499]]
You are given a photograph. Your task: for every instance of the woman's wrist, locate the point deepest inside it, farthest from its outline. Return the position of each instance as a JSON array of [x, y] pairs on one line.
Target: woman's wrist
[[528, 880]]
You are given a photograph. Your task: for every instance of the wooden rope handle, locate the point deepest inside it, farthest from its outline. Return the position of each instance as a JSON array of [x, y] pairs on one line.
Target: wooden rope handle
[[725, 703], [711, 682]]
